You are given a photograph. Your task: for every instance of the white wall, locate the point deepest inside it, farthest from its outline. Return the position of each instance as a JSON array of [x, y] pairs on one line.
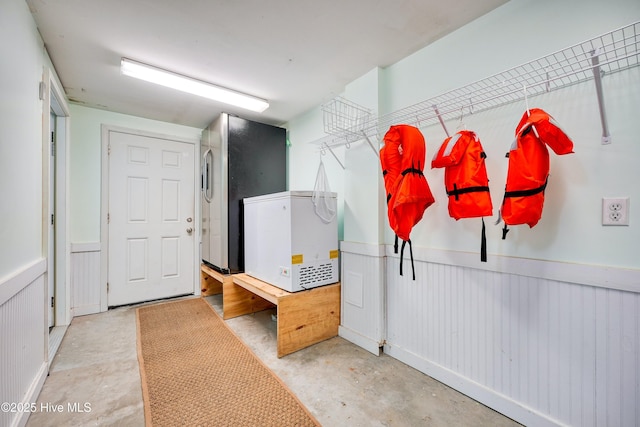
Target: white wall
[[20, 138], [570, 229], [511, 35], [23, 333], [304, 159]]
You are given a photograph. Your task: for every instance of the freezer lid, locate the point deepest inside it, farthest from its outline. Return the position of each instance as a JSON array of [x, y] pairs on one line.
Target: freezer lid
[[282, 195]]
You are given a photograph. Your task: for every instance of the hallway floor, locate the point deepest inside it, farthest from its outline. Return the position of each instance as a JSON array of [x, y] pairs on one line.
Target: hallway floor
[[95, 380]]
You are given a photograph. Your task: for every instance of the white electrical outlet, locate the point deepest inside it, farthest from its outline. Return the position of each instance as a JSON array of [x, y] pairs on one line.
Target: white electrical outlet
[[615, 211]]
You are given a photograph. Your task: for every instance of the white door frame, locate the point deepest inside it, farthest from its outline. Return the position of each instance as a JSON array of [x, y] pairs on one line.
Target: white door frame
[[104, 205], [53, 97]]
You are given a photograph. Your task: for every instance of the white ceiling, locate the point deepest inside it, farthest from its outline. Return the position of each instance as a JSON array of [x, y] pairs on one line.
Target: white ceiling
[[294, 53]]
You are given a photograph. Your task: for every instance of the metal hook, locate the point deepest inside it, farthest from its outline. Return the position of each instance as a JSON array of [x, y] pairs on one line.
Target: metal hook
[[334, 155], [435, 108], [460, 122], [370, 143], [547, 85], [526, 102]]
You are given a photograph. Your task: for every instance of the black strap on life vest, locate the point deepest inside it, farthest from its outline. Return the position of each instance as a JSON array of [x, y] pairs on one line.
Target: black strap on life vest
[[483, 239], [483, 244], [457, 191], [525, 193], [505, 230], [395, 244], [522, 193], [413, 169], [417, 171], [413, 269]]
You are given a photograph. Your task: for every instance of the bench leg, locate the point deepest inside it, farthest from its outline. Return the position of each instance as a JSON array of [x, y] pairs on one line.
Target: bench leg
[[209, 285], [237, 301], [306, 318]]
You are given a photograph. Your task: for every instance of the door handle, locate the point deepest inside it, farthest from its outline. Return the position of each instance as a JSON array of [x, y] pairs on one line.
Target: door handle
[[207, 175], [189, 230]]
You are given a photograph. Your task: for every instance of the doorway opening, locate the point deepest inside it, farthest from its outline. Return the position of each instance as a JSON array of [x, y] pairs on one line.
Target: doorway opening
[[55, 142]]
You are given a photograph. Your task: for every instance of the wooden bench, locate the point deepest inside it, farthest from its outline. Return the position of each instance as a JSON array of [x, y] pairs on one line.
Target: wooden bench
[[304, 318], [212, 281]]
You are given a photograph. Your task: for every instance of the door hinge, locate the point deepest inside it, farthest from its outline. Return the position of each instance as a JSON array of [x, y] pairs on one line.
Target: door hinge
[[53, 219], [109, 149], [53, 300], [53, 143], [107, 287], [108, 218], [41, 88]]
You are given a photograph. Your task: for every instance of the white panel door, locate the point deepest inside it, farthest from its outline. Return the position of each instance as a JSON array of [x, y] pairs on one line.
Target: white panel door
[[151, 218]]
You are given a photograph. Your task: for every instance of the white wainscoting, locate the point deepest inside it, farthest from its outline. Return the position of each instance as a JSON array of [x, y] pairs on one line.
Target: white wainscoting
[[362, 301], [85, 278], [23, 340], [544, 343]]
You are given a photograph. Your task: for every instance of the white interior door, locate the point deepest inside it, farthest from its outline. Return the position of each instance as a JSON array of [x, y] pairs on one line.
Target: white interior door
[[151, 218]]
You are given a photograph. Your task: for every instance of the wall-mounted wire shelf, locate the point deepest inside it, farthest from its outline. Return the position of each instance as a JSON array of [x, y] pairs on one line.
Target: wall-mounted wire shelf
[[343, 117], [344, 121], [611, 52]]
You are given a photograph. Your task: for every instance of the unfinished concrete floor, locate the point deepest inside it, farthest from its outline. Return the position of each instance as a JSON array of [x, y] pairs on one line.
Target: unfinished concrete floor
[[96, 379]]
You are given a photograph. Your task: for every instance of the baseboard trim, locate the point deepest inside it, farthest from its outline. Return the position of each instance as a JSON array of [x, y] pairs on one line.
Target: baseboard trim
[[476, 391], [32, 395]]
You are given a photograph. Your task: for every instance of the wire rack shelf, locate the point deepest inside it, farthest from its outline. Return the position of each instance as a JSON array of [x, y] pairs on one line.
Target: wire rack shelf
[[608, 53], [343, 117]]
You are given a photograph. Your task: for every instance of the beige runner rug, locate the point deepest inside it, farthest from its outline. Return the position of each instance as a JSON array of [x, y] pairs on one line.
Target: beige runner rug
[[196, 372]]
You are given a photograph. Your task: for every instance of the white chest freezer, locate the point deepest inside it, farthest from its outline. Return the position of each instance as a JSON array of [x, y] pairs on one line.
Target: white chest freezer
[[286, 244]]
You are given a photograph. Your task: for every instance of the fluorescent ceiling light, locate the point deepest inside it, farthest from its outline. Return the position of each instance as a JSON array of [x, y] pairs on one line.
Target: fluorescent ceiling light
[[192, 86]]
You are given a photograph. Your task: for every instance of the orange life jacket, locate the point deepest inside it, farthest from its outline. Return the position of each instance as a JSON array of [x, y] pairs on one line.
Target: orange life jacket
[[408, 193], [465, 175], [465, 179], [528, 169]]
